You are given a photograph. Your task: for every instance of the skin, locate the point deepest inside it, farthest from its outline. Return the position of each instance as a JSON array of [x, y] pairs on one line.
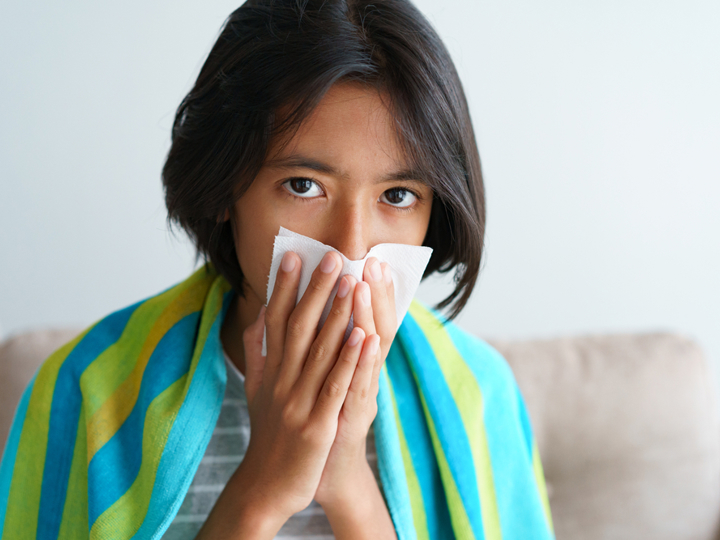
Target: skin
[[312, 399]]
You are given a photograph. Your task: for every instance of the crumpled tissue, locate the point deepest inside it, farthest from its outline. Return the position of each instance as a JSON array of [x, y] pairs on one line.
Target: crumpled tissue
[[407, 264]]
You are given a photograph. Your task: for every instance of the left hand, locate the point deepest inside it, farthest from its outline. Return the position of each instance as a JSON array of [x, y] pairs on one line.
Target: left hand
[[346, 464]]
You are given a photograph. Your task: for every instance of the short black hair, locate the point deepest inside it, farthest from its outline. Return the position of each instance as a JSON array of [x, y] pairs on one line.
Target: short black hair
[[274, 54]]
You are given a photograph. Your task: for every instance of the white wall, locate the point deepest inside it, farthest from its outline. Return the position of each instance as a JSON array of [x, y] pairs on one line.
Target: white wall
[[598, 127]]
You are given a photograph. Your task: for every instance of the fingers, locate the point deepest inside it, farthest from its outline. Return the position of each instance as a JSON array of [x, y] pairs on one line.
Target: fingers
[[254, 360], [324, 350], [335, 388], [373, 275], [379, 278], [303, 321], [386, 319], [390, 289], [362, 308], [280, 306], [362, 386]]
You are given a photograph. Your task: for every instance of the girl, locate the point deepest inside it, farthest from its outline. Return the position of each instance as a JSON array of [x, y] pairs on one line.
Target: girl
[[345, 121]]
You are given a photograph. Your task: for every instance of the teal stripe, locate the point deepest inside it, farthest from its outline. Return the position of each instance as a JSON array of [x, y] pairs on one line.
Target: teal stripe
[[390, 461], [10, 452], [448, 422], [420, 446], [525, 423], [116, 465], [65, 415], [190, 434], [519, 506]]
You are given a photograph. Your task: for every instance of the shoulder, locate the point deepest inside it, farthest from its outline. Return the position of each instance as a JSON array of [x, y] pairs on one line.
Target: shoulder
[[449, 339], [130, 328], [475, 365]]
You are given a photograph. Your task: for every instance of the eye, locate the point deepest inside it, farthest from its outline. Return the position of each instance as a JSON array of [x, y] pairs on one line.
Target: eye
[[399, 197], [303, 187]]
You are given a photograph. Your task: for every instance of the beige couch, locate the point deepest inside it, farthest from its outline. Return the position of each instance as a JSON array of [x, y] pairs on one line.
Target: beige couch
[[627, 426]]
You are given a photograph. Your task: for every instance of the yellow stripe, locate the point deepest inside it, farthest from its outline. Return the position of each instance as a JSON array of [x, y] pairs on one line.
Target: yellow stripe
[[458, 515], [124, 518], [214, 303], [542, 488], [108, 418], [416, 501], [107, 372], [468, 397], [74, 522], [26, 484]]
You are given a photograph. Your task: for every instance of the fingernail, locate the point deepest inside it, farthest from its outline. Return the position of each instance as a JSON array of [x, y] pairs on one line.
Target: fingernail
[[328, 263], [387, 274], [288, 262], [343, 288], [374, 344], [365, 295], [355, 337], [375, 271]]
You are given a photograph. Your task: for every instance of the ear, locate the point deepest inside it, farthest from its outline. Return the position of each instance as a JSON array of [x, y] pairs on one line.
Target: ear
[[224, 217]]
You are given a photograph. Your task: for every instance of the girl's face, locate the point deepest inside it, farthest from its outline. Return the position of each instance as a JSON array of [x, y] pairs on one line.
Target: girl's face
[[341, 179]]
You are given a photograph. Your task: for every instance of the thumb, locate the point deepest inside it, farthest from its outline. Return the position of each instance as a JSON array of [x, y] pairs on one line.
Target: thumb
[[254, 360]]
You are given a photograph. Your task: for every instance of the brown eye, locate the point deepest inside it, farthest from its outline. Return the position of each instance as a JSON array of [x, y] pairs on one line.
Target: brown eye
[[399, 197], [303, 187]]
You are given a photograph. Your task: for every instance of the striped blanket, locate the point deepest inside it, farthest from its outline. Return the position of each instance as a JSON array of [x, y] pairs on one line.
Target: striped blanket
[[111, 429]]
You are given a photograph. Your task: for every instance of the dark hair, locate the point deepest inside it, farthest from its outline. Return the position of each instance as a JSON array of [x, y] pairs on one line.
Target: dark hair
[[274, 54]]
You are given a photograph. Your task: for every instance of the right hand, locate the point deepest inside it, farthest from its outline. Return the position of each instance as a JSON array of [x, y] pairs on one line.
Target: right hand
[[296, 392]]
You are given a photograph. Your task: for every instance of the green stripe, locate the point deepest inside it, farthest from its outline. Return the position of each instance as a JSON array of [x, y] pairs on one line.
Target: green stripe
[[24, 498], [74, 522], [108, 418], [124, 518], [108, 371], [542, 488], [416, 499], [468, 397], [210, 311], [458, 514]]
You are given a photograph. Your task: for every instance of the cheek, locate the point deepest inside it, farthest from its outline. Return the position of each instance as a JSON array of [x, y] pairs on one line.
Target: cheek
[[256, 227], [408, 229]]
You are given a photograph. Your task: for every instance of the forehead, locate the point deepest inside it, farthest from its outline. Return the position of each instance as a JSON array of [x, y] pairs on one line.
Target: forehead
[[350, 119]]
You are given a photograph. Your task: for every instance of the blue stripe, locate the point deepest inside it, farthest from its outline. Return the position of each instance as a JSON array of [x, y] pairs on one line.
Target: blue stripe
[[524, 421], [419, 443], [446, 417], [115, 466], [190, 433], [64, 417], [7, 465], [390, 461], [521, 511]]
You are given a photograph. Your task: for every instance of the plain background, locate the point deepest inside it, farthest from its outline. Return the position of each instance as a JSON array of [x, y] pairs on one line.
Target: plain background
[[598, 126]]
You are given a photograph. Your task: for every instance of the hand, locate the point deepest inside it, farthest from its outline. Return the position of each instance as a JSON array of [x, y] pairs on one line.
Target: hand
[[374, 313], [296, 392]]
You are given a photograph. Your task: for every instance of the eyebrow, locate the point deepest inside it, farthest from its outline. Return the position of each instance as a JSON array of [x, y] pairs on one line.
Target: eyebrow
[[297, 161]]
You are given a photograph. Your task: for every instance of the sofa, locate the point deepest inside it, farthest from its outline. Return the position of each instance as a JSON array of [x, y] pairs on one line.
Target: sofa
[[627, 426]]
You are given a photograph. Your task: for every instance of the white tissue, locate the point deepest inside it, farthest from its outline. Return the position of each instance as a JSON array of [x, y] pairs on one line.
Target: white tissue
[[407, 264]]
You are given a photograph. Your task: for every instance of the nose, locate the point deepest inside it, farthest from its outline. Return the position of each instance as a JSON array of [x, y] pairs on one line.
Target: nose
[[349, 231]]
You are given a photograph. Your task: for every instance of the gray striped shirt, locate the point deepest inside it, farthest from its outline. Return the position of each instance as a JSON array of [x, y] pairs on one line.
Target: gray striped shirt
[[224, 453]]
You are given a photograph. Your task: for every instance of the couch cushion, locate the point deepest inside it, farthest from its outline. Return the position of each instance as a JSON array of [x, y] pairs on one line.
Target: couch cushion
[[627, 427]]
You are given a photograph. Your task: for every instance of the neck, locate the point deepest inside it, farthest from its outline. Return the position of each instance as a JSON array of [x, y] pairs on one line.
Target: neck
[[241, 314]]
